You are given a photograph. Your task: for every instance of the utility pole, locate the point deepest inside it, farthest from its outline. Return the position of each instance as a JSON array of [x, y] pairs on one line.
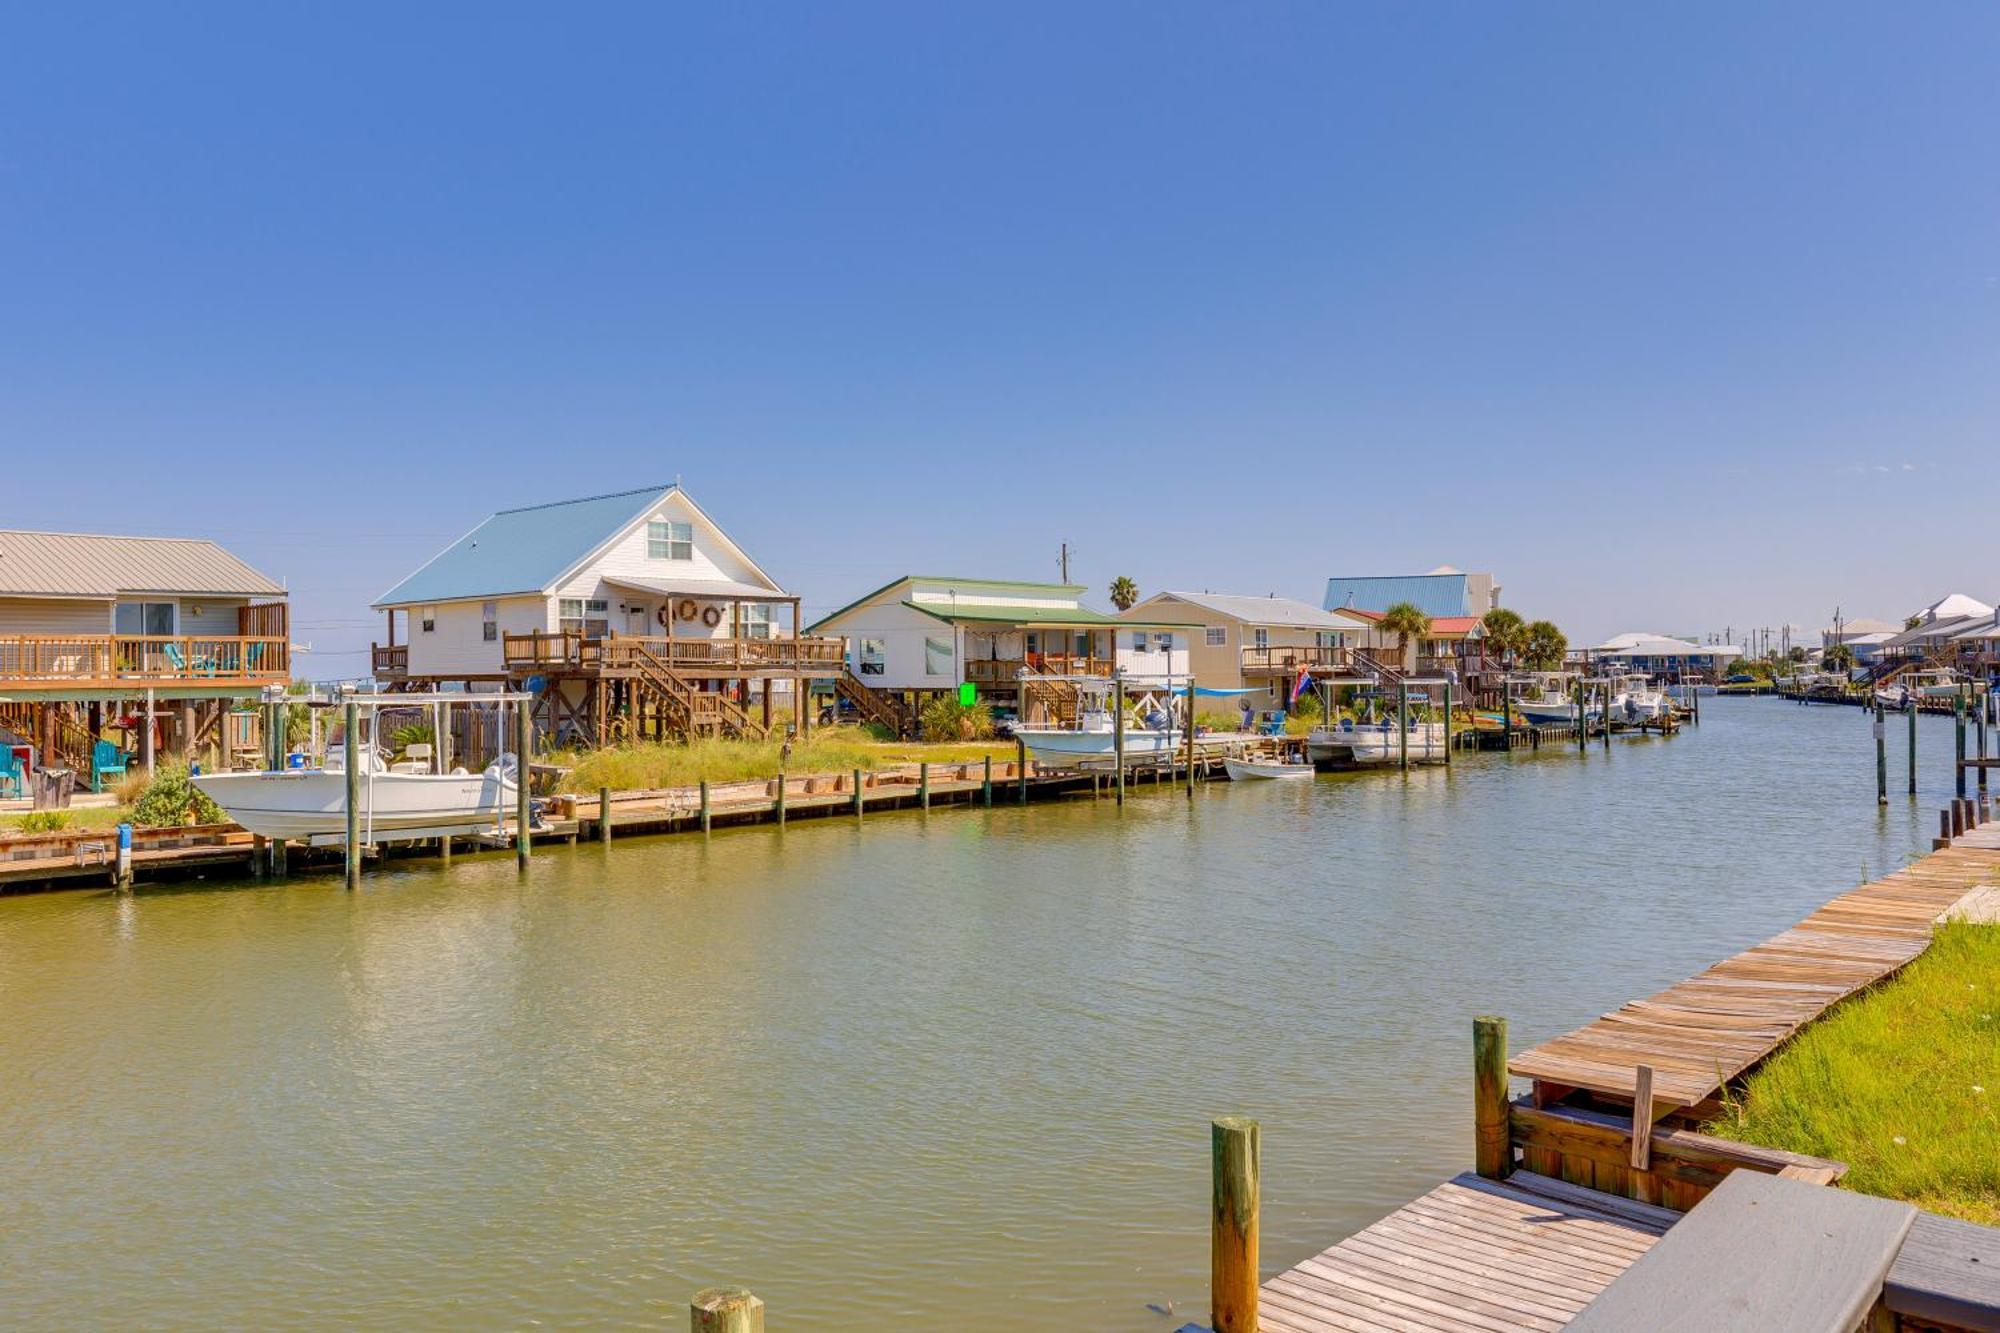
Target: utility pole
[[1063, 561]]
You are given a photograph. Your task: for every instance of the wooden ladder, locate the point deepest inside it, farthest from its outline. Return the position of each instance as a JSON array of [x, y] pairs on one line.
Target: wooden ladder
[[693, 712], [1058, 697], [74, 748], [873, 705]]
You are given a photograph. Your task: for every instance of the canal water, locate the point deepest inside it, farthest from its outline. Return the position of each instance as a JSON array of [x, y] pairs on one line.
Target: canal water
[[950, 1070]]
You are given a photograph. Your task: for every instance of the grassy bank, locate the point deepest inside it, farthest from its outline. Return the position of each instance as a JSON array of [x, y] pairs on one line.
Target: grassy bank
[[1902, 1084], [77, 817], [830, 750]]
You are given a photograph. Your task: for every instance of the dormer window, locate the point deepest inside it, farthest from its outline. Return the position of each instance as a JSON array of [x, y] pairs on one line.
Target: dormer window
[[669, 541]]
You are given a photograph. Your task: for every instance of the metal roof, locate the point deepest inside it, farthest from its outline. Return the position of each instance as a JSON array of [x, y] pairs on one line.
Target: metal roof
[[1051, 616], [698, 588], [1439, 594], [1274, 610], [523, 550], [77, 564]]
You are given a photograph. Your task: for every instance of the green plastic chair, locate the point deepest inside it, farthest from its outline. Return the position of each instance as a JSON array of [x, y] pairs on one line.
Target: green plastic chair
[[106, 760], [10, 770]]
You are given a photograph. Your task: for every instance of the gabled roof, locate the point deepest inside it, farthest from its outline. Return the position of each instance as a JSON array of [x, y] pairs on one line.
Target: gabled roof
[[1439, 593], [1443, 627], [77, 564], [1031, 616], [991, 587], [1646, 644], [1268, 611]]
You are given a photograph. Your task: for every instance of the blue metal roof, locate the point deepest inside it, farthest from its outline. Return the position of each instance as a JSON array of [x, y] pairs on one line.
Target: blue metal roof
[[1434, 594], [522, 550]]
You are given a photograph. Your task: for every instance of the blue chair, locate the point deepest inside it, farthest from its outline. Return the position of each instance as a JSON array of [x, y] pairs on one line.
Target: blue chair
[[106, 760], [1276, 726], [10, 771]]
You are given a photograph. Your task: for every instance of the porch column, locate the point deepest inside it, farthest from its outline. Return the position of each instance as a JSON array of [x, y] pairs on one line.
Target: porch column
[[390, 616]]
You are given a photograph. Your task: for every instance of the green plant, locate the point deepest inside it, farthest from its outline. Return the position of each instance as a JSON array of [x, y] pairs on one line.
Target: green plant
[[130, 787], [46, 821], [946, 719], [1124, 593], [1543, 646], [1505, 633], [416, 733], [1840, 657], [170, 798], [1405, 620]]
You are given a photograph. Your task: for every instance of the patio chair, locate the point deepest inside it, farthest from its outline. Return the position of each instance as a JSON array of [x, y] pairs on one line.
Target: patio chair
[[106, 761], [11, 780]]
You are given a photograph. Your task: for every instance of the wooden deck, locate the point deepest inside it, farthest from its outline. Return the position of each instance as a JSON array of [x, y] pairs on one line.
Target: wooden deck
[[1703, 1032], [1473, 1254], [36, 665]]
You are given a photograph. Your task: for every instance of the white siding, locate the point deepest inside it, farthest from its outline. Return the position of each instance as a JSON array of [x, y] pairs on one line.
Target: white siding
[[212, 616], [53, 615], [627, 556], [902, 631], [1153, 664], [458, 642]]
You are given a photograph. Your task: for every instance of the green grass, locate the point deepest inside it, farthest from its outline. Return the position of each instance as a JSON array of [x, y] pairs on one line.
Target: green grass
[[830, 750], [79, 818], [1902, 1084]]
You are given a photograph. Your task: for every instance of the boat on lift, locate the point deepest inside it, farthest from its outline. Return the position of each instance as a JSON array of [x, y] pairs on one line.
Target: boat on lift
[[1633, 699], [1914, 685], [1546, 698], [1153, 728]]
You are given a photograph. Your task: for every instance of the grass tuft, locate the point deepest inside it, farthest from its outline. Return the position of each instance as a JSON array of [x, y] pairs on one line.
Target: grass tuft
[[831, 750], [1902, 1084]]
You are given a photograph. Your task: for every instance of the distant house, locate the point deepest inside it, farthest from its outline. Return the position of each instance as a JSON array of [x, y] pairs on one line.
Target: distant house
[[922, 635], [93, 627], [1260, 643], [632, 613], [1442, 593], [1864, 638], [1662, 655], [1930, 639]]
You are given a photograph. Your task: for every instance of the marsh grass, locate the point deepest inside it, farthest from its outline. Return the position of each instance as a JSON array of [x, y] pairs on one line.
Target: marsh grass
[[830, 750], [1902, 1084]]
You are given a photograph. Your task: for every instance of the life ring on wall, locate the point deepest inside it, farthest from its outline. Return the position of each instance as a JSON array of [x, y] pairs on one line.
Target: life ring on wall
[[711, 616], [684, 610], [661, 616]]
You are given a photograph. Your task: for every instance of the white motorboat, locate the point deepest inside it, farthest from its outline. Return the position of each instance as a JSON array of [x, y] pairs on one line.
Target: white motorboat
[[1242, 770], [311, 803], [1633, 699], [1546, 698], [1375, 743], [1152, 729], [1919, 685]]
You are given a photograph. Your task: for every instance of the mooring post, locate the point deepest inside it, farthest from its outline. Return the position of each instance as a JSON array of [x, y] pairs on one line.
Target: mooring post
[[524, 729], [1605, 691], [779, 806], [351, 755], [1447, 724], [1492, 1144], [1234, 1149], [1981, 712], [604, 815], [1911, 710], [725, 1310], [1881, 756], [857, 793], [1582, 720], [1958, 726], [1020, 771], [1118, 732], [1944, 827], [705, 821], [124, 872], [1187, 725], [924, 783], [1403, 725], [986, 782]]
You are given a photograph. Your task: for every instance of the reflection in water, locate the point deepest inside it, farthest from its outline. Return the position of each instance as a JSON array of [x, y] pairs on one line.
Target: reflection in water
[[955, 1066]]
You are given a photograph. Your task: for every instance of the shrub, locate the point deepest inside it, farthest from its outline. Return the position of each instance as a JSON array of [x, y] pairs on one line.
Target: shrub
[[946, 719], [131, 786], [170, 797], [46, 821]]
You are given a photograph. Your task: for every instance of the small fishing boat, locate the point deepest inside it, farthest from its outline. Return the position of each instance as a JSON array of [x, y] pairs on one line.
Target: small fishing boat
[[1375, 743], [1546, 698], [1152, 728], [1912, 685], [1633, 699], [1246, 770]]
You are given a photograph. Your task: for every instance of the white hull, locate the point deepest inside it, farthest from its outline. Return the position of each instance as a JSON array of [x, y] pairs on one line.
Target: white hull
[[1246, 770], [1640, 706], [1057, 743], [1558, 712], [1377, 744], [312, 803]]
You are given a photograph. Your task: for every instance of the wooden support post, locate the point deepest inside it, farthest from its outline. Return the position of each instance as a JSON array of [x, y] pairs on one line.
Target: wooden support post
[[351, 754], [1958, 728], [604, 815], [1507, 713], [779, 807], [1944, 828], [280, 857], [1021, 770], [725, 1310], [124, 872], [1403, 725], [1605, 691], [986, 783], [1912, 711], [1881, 757], [1642, 1118], [857, 793], [1187, 726], [704, 806], [924, 783], [1492, 1142], [1234, 1149], [1447, 724], [524, 734], [1118, 731]]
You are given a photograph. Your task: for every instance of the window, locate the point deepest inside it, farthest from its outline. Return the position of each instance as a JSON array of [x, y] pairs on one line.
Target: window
[[669, 541], [1079, 642], [1263, 637], [1138, 641], [1214, 635], [428, 619], [143, 618], [872, 658], [756, 620], [1163, 642], [937, 656], [590, 618], [489, 621], [1329, 638], [1034, 642]]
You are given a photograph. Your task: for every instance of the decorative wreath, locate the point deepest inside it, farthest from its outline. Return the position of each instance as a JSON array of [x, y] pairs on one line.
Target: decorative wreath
[[685, 610], [661, 616], [711, 616]]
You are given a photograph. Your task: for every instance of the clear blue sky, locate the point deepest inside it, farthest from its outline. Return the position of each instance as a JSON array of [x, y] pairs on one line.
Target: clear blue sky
[[1672, 320]]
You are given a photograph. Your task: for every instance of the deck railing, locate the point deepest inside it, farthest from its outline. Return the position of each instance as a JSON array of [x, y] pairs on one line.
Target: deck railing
[[1295, 657], [542, 650], [143, 659], [1006, 670], [391, 659]]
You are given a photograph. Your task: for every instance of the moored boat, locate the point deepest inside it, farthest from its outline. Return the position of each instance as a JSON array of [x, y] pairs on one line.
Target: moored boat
[[1243, 770]]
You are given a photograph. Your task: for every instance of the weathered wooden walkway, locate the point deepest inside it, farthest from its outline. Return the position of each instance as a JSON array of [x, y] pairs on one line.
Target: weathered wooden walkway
[[1698, 1035]]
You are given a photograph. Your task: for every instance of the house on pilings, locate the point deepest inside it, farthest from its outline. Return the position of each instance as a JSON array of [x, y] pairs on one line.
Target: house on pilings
[[124, 648], [628, 616]]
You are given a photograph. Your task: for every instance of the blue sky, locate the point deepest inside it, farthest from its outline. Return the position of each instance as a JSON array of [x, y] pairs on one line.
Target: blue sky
[[1673, 319]]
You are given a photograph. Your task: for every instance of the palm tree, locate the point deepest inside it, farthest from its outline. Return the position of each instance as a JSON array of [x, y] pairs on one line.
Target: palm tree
[[1840, 657], [1405, 620], [1543, 645], [1504, 632], [1124, 593]]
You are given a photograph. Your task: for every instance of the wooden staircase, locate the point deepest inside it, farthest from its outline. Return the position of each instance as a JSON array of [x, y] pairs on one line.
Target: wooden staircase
[[874, 706], [1058, 698], [692, 711], [73, 744], [1379, 667]]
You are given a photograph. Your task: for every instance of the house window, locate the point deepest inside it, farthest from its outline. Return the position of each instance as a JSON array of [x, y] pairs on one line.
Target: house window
[[937, 656], [872, 658], [1138, 641], [588, 617], [669, 541], [1214, 636], [1034, 638], [428, 619], [143, 618], [489, 621], [1079, 642], [1163, 642], [1329, 638], [757, 620], [1263, 637]]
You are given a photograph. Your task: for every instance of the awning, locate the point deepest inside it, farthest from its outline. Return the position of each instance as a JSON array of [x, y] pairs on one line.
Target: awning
[[714, 590]]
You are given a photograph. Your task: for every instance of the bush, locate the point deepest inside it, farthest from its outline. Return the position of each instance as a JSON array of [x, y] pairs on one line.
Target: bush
[[946, 719], [131, 786], [170, 797], [46, 821]]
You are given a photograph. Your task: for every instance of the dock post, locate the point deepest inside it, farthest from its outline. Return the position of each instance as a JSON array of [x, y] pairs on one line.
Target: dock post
[[604, 815], [924, 783], [1021, 770], [1912, 711], [1944, 829], [778, 808], [1492, 1143], [1403, 725], [1958, 728], [524, 730], [857, 793], [1506, 716], [280, 866], [1118, 732], [351, 754], [1447, 724], [1881, 757], [986, 782], [1582, 721], [725, 1310], [1187, 725], [1234, 1148], [704, 806], [1982, 712], [124, 874]]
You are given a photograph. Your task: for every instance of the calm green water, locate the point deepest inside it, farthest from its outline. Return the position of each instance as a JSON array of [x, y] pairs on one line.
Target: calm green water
[[956, 1068]]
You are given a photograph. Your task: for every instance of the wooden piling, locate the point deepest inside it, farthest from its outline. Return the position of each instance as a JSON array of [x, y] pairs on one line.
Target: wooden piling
[[524, 727], [1187, 726], [705, 816], [1021, 770], [1642, 1118], [1118, 732], [1234, 1150], [986, 783], [1912, 711], [1881, 756], [725, 1310], [1958, 727], [1492, 1145], [604, 815], [778, 806], [924, 783], [351, 754], [857, 793], [1447, 724], [1582, 721]]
